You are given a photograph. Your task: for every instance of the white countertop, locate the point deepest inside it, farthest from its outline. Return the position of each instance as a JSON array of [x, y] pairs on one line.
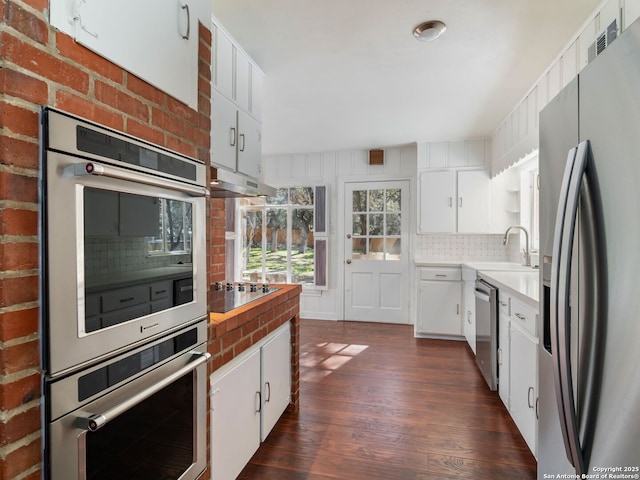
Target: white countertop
[[522, 285]]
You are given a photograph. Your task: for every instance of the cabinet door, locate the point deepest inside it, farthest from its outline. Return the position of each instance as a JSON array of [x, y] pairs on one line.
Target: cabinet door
[[439, 308], [222, 62], [139, 215], [504, 326], [249, 145], [131, 35], [276, 379], [242, 89], [256, 93], [224, 131], [235, 418], [474, 200], [437, 204], [100, 212], [523, 391], [469, 317]]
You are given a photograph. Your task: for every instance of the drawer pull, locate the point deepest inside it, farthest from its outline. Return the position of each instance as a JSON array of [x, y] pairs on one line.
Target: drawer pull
[[127, 300], [504, 304], [521, 317], [441, 275], [158, 292]]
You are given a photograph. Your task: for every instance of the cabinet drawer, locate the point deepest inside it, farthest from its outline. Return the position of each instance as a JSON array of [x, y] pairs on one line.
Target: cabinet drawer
[[161, 290], [444, 274], [124, 297], [524, 316]]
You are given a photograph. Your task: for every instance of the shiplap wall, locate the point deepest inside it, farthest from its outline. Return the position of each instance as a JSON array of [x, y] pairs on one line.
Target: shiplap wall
[[517, 135], [333, 169]]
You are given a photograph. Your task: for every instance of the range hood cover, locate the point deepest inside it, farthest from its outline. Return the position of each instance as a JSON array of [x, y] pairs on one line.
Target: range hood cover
[[226, 184]]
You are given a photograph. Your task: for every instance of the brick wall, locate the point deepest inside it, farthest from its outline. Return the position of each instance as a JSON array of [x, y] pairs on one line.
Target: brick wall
[[40, 66]]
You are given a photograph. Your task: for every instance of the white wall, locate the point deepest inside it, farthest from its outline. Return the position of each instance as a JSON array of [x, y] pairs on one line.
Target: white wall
[[333, 169]]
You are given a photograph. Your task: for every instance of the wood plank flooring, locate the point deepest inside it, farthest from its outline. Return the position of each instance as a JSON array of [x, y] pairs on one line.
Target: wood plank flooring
[[378, 404]]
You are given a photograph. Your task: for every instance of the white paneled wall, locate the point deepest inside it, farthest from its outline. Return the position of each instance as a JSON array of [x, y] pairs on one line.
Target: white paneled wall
[[332, 169], [514, 139]]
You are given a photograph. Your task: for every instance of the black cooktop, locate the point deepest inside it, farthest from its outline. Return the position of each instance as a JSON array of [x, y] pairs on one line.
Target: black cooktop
[[224, 297]]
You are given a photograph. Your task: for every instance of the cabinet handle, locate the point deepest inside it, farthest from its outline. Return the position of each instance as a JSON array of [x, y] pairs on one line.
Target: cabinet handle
[[451, 201], [460, 202], [537, 402], [188, 34], [529, 401], [259, 402], [469, 317], [521, 317], [457, 309], [499, 356], [267, 386], [504, 304], [441, 275], [242, 139], [232, 139]]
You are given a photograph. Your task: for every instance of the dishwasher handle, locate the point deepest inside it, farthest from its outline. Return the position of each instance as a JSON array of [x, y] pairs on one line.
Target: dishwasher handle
[[482, 295]]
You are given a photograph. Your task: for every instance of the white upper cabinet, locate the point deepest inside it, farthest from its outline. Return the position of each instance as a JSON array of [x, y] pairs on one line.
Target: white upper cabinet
[[454, 201], [234, 74], [236, 131], [161, 48], [222, 61]]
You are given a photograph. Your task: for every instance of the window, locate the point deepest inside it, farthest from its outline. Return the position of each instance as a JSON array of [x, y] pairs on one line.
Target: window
[[529, 201], [278, 237], [174, 225]]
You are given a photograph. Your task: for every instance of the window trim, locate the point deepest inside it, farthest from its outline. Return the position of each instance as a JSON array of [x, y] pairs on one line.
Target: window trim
[[320, 207]]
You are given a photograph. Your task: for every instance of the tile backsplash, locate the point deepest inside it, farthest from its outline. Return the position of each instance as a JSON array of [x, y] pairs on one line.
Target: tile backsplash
[[467, 247], [106, 255]]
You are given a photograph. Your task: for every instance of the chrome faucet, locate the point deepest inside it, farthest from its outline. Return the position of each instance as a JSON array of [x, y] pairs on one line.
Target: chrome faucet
[[505, 242]]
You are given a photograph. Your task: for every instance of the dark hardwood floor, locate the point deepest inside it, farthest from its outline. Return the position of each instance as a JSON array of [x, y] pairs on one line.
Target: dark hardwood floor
[[377, 403]]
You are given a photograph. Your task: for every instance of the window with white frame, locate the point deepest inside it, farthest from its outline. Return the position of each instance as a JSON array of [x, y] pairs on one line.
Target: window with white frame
[[283, 238]]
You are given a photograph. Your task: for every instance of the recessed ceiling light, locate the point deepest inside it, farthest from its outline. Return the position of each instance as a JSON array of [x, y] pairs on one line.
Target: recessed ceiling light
[[427, 31]]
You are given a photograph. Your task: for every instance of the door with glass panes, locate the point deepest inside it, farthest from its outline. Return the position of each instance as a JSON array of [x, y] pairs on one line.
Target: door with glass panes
[[376, 266]]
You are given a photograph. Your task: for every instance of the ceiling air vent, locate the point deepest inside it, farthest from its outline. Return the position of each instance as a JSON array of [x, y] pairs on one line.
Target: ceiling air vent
[[603, 40]]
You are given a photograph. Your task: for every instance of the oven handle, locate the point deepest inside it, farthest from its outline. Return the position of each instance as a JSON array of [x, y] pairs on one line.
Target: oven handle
[[96, 421], [92, 168]]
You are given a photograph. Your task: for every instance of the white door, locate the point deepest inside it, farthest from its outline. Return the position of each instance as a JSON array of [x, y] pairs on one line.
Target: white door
[[377, 252]]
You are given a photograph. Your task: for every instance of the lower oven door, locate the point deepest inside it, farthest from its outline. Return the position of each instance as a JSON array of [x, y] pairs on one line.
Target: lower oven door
[[153, 427]]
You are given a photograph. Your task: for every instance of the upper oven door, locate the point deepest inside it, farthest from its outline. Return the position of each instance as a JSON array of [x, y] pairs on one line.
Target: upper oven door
[[116, 246]]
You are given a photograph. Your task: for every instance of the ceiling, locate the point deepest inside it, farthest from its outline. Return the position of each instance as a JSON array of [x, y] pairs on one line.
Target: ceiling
[[344, 75]]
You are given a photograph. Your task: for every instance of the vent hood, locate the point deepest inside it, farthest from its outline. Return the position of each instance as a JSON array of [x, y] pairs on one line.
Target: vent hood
[[226, 184]]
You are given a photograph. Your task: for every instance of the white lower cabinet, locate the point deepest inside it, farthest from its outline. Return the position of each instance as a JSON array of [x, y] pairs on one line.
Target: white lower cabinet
[[469, 301], [439, 302], [518, 364], [248, 396], [504, 327], [523, 384]]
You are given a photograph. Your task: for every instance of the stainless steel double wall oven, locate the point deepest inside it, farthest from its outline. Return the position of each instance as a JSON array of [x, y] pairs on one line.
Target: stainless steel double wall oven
[[124, 304]]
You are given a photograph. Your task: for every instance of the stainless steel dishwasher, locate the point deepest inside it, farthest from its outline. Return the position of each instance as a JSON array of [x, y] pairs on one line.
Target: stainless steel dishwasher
[[487, 332]]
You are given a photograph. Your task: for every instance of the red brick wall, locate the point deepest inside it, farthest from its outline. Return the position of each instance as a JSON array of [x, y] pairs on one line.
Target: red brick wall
[[41, 66]]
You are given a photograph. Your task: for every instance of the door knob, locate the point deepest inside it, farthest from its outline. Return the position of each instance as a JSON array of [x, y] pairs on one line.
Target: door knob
[[349, 262], [348, 235]]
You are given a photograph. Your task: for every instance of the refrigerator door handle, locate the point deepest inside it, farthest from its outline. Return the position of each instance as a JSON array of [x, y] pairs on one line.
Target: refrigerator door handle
[[560, 308]]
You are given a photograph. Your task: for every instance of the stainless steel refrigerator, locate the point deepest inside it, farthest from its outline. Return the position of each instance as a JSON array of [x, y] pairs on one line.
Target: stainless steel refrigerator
[[589, 354]]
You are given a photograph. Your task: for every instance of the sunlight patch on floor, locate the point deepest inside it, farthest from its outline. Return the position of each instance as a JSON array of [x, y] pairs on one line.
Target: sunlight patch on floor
[[320, 360]]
